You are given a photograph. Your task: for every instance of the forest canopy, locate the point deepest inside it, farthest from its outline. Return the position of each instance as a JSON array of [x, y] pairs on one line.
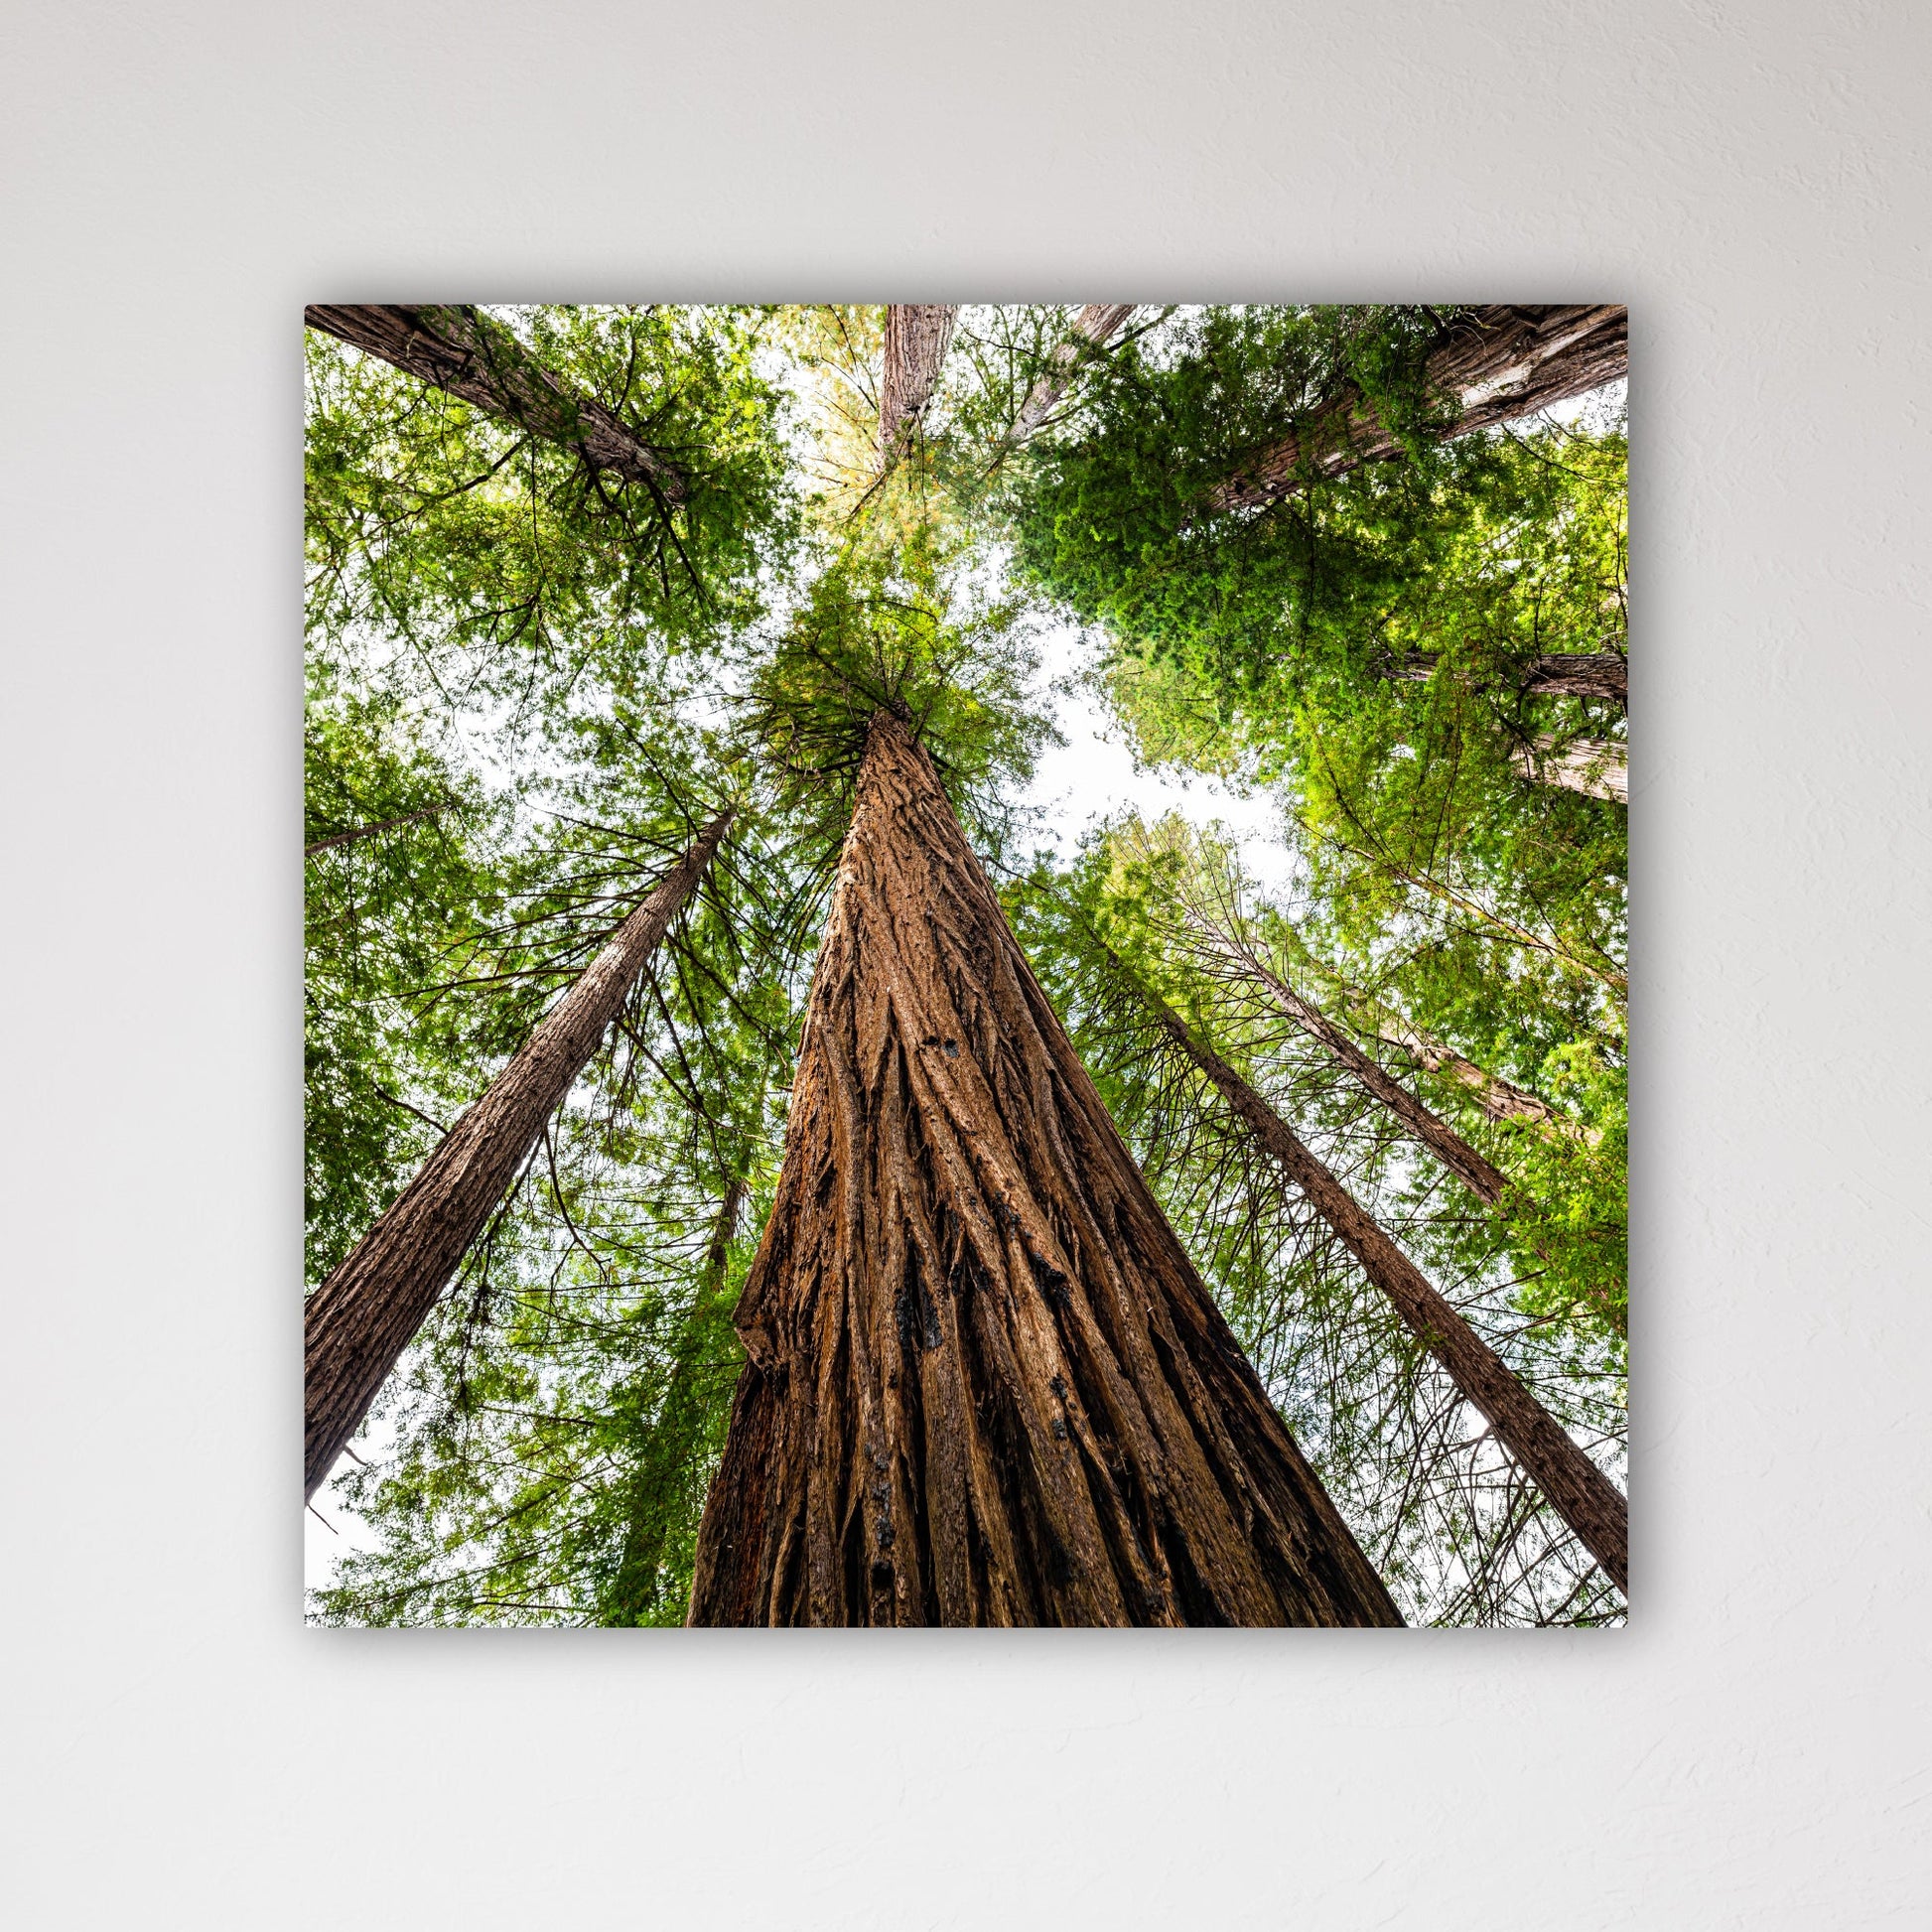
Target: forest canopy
[[775, 1154]]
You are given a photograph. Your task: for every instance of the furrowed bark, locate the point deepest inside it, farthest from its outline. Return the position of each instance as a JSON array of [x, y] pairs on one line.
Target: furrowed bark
[[361, 1319], [1496, 362], [1094, 324], [985, 1385], [1573, 674], [468, 354], [676, 1433], [1576, 1489], [1596, 766], [918, 336]]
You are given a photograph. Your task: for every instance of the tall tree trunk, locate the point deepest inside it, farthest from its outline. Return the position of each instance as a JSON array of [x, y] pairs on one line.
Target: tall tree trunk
[[1579, 1492], [918, 336], [1557, 674], [1094, 324], [1483, 1179], [1596, 766], [1497, 1097], [471, 357], [369, 831], [361, 1319], [985, 1384], [677, 1434], [1496, 362]]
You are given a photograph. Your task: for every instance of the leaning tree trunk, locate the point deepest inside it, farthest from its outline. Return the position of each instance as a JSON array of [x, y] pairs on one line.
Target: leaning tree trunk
[[662, 1484], [465, 352], [1598, 767], [1094, 324], [985, 1385], [1501, 1099], [1556, 674], [1579, 1492], [918, 336], [361, 1319], [1496, 363]]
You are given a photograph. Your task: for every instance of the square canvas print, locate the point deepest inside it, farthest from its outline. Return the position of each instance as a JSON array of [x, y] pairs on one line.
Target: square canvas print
[[966, 965]]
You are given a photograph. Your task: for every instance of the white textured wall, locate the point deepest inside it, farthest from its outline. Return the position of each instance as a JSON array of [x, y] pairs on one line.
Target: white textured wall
[[180, 1751]]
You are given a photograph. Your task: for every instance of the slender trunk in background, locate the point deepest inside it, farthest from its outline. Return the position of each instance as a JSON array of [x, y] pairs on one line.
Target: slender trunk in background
[[361, 1319], [1094, 324], [1576, 1489], [471, 357], [918, 336], [1497, 1097], [1483, 1178], [369, 831], [675, 1437], [1596, 766], [985, 1384], [1496, 362], [1557, 674]]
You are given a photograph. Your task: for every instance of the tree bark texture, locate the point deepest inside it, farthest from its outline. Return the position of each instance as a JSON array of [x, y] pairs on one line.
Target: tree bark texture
[[361, 1319], [1097, 323], [985, 1384], [1579, 1492], [1596, 766], [468, 354], [676, 1433], [1556, 674], [918, 336], [1496, 362]]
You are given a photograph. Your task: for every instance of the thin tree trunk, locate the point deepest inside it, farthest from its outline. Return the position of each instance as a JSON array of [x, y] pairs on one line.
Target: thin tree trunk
[[918, 336], [1483, 1179], [985, 1384], [1557, 674], [1496, 362], [677, 1434], [1094, 324], [1596, 766], [361, 1319], [471, 357], [1579, 1492], [1497, 1097], [369, 831]]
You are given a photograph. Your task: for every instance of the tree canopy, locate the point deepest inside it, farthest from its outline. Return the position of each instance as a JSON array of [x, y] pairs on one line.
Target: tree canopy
[[535, 674]]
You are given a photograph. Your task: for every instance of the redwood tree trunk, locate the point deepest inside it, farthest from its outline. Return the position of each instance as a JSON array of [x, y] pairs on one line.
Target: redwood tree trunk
[[1579, 1492], [1596, 766], [985, 1385], [918, 336], [1556, 674], [1501, 1099], [1496, 362], [482, 361], [1095, 323], [361, 1319]]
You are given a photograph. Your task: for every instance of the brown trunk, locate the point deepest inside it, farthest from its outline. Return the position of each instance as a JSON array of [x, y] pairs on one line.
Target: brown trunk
[[1094, 324], [677, 1434], [1596, 766], [369, 831], [1497, 1097], [361, 1319], [471, 357], [985, 1386], [1567, 674], [918, 336], [1485, 1180], [1496, 363], [1579, 1492]]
